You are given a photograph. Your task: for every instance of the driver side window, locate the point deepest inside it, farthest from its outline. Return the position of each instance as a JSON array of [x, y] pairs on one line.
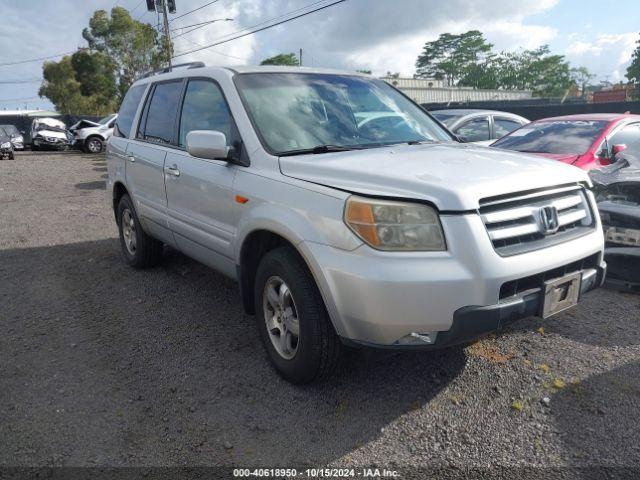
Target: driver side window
[[204, 108], [629, 135], [474, 130]]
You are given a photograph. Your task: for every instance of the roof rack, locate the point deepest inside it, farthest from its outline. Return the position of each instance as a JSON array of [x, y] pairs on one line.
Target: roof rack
[[170, 69]]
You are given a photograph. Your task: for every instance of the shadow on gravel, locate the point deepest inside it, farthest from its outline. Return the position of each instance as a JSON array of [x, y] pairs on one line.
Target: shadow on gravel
[[99, 169], [107, 365], [598, 417], [96, 185], [603, 318]]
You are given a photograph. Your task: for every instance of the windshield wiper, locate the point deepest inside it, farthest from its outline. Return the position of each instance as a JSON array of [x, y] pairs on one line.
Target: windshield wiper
[[319, 149]]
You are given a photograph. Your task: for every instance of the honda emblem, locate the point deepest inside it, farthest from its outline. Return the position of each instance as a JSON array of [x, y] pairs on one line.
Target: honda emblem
[[549, 222]]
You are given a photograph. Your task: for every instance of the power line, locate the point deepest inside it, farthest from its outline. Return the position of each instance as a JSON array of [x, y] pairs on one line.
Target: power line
[[215, 51], [36, 59], [20, 81], [284, 15], [204, 24], [259, 29], [194, 10]]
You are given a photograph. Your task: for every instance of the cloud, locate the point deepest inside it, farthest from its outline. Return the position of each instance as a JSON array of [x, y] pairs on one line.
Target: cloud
[[608, 55]]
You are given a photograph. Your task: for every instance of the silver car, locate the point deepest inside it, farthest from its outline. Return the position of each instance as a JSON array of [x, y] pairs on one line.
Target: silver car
[[346, 214], [473, 125]]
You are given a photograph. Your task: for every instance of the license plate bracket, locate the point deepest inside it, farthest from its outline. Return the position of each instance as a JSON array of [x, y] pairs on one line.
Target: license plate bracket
[[560, 293]]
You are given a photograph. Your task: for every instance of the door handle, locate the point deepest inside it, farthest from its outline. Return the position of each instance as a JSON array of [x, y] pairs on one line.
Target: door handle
[[173, 170], [131, 158]]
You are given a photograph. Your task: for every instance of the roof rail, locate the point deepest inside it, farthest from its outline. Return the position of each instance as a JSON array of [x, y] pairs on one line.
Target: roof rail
[[170, 69]]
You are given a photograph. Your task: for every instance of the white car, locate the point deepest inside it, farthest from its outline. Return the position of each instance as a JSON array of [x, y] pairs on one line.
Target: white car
[[49, 132], [91, 136], [482, 127]]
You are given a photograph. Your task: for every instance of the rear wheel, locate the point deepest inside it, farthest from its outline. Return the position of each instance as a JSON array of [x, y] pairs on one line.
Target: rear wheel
[[12, 156], [292, 319], [138, 249]]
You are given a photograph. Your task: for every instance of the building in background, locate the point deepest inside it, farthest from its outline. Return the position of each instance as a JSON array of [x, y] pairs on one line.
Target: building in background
[[431, 90]]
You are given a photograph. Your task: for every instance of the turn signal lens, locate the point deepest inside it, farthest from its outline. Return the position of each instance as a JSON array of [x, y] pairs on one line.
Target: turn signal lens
[[389, 225]]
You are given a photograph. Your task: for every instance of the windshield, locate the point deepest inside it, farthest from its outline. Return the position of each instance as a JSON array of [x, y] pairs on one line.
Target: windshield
[[10, 129], [564, 137], [105, 120], [293, 111], [447, 118]]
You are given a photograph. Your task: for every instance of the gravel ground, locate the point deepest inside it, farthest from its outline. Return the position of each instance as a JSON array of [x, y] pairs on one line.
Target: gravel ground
[[106, 366]]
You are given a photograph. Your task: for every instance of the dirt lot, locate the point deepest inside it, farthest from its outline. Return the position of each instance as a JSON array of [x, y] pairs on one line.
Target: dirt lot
[[102, 365]]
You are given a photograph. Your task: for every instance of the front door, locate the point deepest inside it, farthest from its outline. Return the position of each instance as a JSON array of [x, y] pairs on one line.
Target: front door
[[199, 191]]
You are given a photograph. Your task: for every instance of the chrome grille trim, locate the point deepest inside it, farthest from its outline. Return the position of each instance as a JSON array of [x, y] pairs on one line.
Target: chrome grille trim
[[518, 224]]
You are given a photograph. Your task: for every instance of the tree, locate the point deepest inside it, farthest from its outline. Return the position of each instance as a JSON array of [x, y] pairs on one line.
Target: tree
[[452, 57], [633, 71], [287, 59], [81, 83], [366, 72], [135, 47], [581, 77], [95, 79]]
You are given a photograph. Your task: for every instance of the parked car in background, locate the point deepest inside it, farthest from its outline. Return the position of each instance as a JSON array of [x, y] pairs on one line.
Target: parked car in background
[[17, 140], [617, 189], [335, 232], [6, 147], [587, 141], [91, 136], [49, 133], [472, 125]]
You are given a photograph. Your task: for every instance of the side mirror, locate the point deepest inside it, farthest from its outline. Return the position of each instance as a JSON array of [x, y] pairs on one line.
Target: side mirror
[[209, 144], [616, 149]]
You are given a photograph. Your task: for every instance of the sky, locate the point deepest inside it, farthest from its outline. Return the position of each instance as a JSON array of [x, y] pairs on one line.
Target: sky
[[377, 35]]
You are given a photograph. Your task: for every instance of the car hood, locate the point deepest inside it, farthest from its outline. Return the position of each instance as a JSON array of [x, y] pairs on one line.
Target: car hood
[[51, 133], [450, 175], [562, 157]]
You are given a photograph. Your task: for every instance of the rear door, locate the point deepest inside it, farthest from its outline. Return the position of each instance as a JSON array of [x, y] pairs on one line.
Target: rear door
[[199, 191], [146, 154]]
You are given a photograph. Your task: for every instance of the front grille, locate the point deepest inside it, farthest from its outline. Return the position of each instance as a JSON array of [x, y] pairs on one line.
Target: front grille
[[520, 285], [515, 222]]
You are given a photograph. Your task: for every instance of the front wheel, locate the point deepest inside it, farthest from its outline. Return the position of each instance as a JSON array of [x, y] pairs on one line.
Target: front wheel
[[138, 249], [93, 145], [292, 319]]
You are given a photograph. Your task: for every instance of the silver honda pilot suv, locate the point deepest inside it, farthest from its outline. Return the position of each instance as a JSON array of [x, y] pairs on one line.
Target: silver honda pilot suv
[[346, 213]]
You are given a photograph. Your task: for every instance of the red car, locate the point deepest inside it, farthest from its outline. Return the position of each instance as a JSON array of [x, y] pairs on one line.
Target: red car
[[587, 141]]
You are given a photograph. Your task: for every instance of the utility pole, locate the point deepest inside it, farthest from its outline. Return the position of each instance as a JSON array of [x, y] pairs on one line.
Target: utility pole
[[166, 6], [167, 32], [300, 59]]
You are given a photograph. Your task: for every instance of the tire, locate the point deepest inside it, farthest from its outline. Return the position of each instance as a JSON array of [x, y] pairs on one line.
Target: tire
[[138, 249], [12, 156], [318, 349], [35, 148], [93, 145]]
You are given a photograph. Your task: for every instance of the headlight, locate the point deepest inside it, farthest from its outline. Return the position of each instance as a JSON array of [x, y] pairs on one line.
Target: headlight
[[389, 225], [6, 145]]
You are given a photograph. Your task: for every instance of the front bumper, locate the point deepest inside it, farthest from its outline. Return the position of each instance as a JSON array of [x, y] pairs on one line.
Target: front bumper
[[472, 322], [57, 143], [377, 298]]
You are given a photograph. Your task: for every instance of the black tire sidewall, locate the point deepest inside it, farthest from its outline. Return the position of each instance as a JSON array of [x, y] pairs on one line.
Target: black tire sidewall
[[304, 367], [91, 139]]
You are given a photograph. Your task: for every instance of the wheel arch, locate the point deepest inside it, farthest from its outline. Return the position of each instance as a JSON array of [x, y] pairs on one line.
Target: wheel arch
[[119, 190]]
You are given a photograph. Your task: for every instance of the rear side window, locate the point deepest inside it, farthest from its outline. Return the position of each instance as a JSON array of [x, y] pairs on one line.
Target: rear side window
[[128, 111], [504, 126], [204, 108], [159, 121]]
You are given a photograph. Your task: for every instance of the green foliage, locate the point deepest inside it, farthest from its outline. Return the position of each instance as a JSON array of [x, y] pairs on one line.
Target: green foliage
[[467, 60], [287, 59], [452, 57], [135, 47], [81, 83], [95, 79], [581, 76], [366, 72]]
